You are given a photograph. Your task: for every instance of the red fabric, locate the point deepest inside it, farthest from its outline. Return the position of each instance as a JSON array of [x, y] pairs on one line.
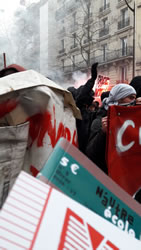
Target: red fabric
[[124, 159], [16, 66]]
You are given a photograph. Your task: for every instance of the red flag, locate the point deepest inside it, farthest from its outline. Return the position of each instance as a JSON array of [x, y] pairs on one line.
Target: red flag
[[124, 147]]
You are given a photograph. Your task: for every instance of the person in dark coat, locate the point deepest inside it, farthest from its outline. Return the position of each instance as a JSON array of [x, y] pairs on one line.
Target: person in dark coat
[[104, 95], [121, 94], [136, 84], [84, 97]]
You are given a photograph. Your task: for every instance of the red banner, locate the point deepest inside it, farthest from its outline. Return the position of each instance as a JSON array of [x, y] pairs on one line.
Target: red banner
[[124, 147]]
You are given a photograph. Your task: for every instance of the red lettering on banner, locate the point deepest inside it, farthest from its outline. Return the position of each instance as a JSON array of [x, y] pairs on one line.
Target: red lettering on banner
[[40, 124], [34, 171]]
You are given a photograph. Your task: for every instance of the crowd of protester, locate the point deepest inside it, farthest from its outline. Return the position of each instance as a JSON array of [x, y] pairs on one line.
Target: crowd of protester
[[92, 129]]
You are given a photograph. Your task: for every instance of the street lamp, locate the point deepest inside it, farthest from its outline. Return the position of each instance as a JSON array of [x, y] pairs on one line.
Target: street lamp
[[133, 10]]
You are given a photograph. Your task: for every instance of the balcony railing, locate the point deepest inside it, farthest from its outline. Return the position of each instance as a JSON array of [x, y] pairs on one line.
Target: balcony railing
[[124, 23], [115, 55], [110, 56], [124, 1], [104, 7], [67, 8], [104, 32]]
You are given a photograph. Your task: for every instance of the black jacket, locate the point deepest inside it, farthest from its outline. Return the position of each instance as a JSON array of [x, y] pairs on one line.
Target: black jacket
[[84, 97], [96, 146]]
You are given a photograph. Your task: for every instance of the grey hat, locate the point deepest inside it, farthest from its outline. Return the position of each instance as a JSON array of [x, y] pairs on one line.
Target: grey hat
[[118, 92]]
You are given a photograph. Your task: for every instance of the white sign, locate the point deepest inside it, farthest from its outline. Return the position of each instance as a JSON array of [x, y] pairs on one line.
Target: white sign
[[35, 216]]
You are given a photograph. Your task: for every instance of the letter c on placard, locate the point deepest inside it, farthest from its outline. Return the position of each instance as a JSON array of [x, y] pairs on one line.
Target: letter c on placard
[[120, 146]]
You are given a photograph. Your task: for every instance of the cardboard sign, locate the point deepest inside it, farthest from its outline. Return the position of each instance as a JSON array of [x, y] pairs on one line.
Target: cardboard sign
[[124, 147], [35, 216], [13, 145], [70, 171], [49, 109]]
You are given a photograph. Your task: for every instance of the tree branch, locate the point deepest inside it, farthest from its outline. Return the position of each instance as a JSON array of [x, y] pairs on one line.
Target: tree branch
[[129, 6]]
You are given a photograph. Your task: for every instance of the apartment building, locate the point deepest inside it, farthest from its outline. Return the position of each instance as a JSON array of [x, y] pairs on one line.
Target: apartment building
[[88, 31], [138, 37]]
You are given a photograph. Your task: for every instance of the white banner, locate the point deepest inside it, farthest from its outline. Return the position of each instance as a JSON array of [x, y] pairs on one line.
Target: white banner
[[35, 216], [49, 109]]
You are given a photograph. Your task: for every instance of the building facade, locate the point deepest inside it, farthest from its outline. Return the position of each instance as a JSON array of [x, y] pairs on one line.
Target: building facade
[[87, 31], [138, 37]]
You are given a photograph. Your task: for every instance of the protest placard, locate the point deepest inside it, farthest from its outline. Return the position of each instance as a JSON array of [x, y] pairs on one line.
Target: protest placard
[[49, 110], [70, 171], [35, 216], [124, 147]]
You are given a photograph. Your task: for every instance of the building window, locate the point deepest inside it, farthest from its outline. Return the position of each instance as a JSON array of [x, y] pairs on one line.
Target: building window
[[74, 18], [123, 74], [104, 48], [73, 62], [124, 19], [105, 4], [124, 46], [62, 47], [62, 44], [74, 40], [63, 64], [105, 22], [124, 14], [105, 29]]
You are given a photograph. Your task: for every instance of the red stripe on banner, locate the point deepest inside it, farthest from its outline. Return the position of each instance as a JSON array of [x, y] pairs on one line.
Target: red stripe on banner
[[19, 235], [33, 180], [82, 229], [76, 242], [112, 245], [40, 220], [28, 198], [27, 205], [68, 243], [19, 217], [35, 187], [8, 203], [13, 243], [67, 219], [30, 192], [78, 231], [17, 225], [85, 243]]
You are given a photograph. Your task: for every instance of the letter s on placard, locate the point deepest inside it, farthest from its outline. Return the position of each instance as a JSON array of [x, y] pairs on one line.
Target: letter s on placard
[[74, 168], [120, 146], [64, 161]]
